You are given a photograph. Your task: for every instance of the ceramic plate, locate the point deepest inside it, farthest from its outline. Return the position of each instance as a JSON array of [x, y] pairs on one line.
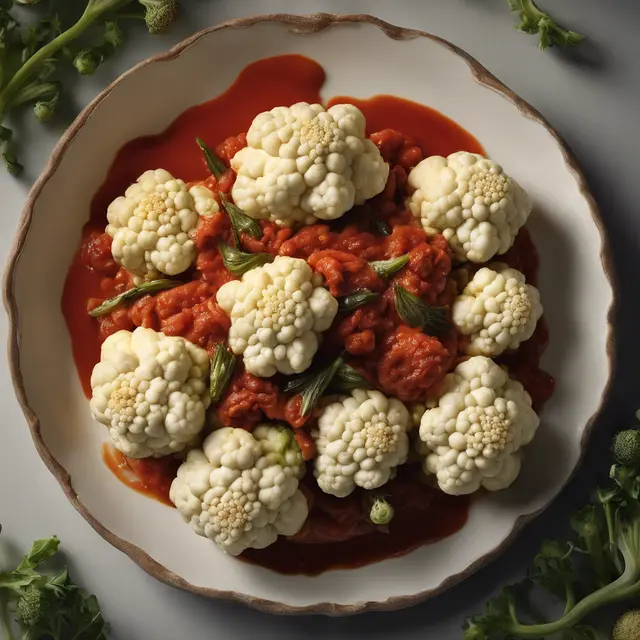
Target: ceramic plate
[[362, 56]]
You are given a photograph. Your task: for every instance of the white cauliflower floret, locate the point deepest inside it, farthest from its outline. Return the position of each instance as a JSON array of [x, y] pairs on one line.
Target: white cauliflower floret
[[475, 433], [151, 391], [468, 198], [497, 310], [152, 224], [360, 440], [241, 489], [277, 313], [304, 163]]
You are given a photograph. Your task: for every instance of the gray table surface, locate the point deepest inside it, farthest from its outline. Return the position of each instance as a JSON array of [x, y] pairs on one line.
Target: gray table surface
[[592, 96]]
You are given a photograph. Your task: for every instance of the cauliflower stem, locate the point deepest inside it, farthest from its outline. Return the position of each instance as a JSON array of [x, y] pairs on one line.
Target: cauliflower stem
[[607, 541]]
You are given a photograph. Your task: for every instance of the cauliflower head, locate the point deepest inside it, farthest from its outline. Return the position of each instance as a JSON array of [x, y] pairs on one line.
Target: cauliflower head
[[498, 310], [277, 313], [303, 163], [360, 441], [152, 224], [475, 432], [241, 489], [471, 201], [151, 391]]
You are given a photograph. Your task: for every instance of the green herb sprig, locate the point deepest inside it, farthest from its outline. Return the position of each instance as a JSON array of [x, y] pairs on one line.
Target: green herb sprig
[[386, 268], [347, 379], [419, 314], [336, 377], [240, 221], [598, 566], [30, 55], [535, 21], [239, 262], [311, 386], [223, 364], [379, 226], [215, 165], [147, 288], [356, 300], [48, 606]]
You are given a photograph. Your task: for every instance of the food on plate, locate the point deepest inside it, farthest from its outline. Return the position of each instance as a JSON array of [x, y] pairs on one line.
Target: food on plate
[[278, 312], [475, 433], [152, 223], [360, 441], [381, 512], [296, 335], [304, 163], [471, 202], [151, 391], [497, 310], [241, 489]]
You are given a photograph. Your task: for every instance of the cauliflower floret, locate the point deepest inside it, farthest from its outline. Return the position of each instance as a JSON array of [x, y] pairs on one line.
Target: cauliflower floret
[[304, 163], [497, 310], [151, 391], [360, 440], [277, 313], [151, 225], [474, 434], [468, 198], [241, 489]]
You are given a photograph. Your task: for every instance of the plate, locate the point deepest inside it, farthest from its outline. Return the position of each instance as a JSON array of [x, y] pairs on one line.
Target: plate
[[575, 283]]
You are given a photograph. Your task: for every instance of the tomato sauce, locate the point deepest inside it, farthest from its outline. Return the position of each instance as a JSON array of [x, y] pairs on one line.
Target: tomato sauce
[[399, 361], [150, 476]]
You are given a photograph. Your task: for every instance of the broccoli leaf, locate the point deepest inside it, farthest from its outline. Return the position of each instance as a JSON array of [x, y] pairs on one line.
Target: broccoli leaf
[[40, 551]]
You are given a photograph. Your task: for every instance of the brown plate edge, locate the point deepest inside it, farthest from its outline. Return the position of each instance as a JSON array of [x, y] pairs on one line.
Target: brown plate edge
[[303, 24]]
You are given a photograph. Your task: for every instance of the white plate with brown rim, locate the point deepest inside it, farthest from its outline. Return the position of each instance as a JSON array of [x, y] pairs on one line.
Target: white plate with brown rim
[[575, 282]]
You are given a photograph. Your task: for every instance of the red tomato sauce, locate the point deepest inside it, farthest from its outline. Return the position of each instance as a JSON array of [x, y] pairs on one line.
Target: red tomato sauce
[[398, 360]]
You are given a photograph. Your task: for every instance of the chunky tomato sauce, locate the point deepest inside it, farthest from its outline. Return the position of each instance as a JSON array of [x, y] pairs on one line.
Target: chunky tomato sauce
[[400, 361]]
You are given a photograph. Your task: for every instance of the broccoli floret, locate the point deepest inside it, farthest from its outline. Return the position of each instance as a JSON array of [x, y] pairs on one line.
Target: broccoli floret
[[159, 14], [11, 162], [626, 447], [31, 607], [628, 626]]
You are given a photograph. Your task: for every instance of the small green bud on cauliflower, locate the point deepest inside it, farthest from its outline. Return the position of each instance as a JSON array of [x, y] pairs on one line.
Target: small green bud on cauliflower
[[241, 489], [153, 223], [475, 433], [381, 512], [277, 313], [468, 199], [360, 440], [498, 310], [303, 163], [152, 391]]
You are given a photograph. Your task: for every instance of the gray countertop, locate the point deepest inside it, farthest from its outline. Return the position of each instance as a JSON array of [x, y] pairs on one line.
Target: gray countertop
[[591, 95]]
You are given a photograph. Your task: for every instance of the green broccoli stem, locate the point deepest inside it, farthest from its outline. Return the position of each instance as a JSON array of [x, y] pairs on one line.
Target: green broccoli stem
[[594, 549], [570, 597], [532, 11], [611, 533], [4, 619], [27, 71], [625, 587]]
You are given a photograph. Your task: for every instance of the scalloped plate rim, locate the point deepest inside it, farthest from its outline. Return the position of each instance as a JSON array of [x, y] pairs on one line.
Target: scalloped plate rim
[[302, 24]]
